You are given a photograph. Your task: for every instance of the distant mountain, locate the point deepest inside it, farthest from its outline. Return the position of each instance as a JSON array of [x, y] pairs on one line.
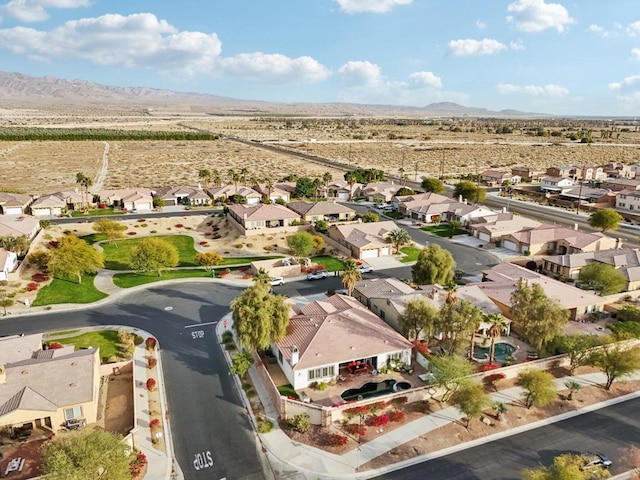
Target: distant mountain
[[23, 91]]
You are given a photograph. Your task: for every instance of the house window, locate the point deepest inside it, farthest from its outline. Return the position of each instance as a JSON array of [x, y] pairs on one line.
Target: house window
[[395, 356], [73, 413], [323, 372], [280, 357], [382, 314]]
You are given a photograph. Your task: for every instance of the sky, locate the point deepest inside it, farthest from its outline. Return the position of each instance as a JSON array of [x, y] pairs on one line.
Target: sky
[[570, 57]]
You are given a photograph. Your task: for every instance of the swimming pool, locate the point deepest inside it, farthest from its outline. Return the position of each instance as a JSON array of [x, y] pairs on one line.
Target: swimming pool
[[374, 389], [502, 350]]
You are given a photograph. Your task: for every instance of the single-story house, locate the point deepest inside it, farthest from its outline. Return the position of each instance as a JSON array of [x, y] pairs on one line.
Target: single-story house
[[183, 195], [8, 263], [364, 240], [500, 281], [21, 226], [56, 204], [274, 193], [492, 228], [371, 288], [379, 191], [256, 219], [14, 203], [325, 337], [45, 388], [600, 197], [328, 211], [406, 203], [628, 200], [131, 199], [555, 184], [491, 178], [619, 184], [341, 190], [550, 239], [223, 194], [625, 260]]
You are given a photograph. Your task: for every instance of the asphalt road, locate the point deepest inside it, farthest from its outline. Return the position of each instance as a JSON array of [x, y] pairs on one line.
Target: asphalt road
[[606, 430]]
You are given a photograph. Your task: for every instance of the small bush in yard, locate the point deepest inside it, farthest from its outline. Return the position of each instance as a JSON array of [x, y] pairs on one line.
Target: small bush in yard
[[335, 440], [378, 421], [356, 411], [179, 225], [396, 416], [399, 401], [39, 277], [151, 384], [137, 465], [355, 429], [131, 233], [264, 425], [32, 286], [54, 345], [154, 423], [153, 361], [300, 423], [376, 407], [150, 343]]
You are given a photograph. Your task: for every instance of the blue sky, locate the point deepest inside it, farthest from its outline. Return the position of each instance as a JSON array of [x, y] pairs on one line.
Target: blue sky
[[566, 57]]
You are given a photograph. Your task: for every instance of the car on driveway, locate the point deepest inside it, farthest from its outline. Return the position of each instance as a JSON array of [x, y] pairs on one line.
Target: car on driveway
[[594, 460], [365, 268], [275, 281], [317, 275]]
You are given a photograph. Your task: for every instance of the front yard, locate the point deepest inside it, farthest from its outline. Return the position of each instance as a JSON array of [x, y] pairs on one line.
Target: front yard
[[69, 291], [443, 230], [117, 254]]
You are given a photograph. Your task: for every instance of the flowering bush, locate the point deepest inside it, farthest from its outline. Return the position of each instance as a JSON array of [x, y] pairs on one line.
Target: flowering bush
[[489, 366], [207, 234], [335, 440], [151, 383], [376, 407], [319, 268], [131, 233], [492, 379], [420, 347], [179, 225], [378, 421], [137, 465], [154, 423], [355, 429], [204, 242], [396, 416], [355, 411], [54, 345], [150, 343], [32, 286], [39, 277], [152, 362]]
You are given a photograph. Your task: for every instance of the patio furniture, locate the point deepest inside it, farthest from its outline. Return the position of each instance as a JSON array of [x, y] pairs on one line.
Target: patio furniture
[[357, 367], [341, 378]]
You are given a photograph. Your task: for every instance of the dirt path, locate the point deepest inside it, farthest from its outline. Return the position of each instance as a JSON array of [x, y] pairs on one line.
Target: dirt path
[[102, 174]]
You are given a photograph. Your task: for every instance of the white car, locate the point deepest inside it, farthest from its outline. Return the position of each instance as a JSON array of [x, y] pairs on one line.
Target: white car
[[365, 268], [317, 275], [275, 281]]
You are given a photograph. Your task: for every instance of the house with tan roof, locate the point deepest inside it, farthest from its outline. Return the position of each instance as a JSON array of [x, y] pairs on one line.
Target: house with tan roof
[[551, 184], [8, 263], [600, 197], [58, 203], [45, 388], [183, 195], [263, 218], [14, 203], [226, 192], [625, 260], [527, 174], [550, 239], [619, 184], [492, 228], [491, 178], [341, 190], [327, 211], [406, 203], [499, 283], [379, 191], [274, 193], [379, 288], [21, 226], [364, 240], [324, 337], [131, 199], [434, 208]]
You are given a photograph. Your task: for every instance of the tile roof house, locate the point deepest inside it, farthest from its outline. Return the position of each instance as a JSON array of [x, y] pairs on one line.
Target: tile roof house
[[22, 226], [341, 190], [224, 193], [324, 337], [183, 195], [600, 197], [8, 263], [328, 211], [14, 203], [527, 174], [56, 204], [261, 218], [366, 290], [46, 388], [499, 282], [494, 227], [364, 240], [434, 208], [131, 199], [274, 193], [619, 184], [625, 260], [492, 178], [381, 191], [550, 239]]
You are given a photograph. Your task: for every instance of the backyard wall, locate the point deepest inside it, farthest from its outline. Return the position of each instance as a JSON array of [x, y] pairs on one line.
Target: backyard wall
[[266, 231]]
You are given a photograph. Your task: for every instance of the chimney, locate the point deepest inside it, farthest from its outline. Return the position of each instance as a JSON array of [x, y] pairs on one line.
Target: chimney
[[460, 198], [618, 243], [295, 355], [435, 293], [504, 209], [575, 226]]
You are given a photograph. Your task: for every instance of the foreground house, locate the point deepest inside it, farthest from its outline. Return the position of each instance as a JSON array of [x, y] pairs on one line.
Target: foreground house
[[183, 195], [14, 203], [56, 204], [261, 218], [364, 240], [8, 263], [327, 211], [22, 226], [324, 337], [366, 291], [492, 228], [46, 388], [628, 200]]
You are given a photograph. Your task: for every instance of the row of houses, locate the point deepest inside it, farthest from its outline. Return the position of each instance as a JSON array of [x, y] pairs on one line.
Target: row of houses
[[612, 170]]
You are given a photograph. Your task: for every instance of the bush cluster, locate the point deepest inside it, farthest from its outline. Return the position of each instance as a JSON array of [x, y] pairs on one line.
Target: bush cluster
[[138, 464], [335, 440], [151, 384], [378, 421]]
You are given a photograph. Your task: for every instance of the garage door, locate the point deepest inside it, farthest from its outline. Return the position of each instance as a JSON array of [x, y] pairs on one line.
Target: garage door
[[510, 245], [369, 253], [384, 251], [485, 237]]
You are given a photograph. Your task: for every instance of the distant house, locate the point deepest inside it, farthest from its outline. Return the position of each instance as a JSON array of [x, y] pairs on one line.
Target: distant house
[[628, 200], [562, 171], [379, 191], [325, 337], [620, 184], [224, 193], [550, 239], [434, 208], [274, 193], [55, 204], [261, 218], [492, 178], [407, 203], [625, 260], [555, 184], [22, 226], [131, 199], [367, 290], [8, 263], [364, 240], [527, 174], [183, 195], [493, 228], [14, 203], [600, 197], [341, 190], [328, 211]]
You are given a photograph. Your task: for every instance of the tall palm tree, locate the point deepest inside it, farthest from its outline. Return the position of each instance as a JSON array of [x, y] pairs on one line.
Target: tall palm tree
[[398, 238], [497, 325], [236, 178], [351, 180], [231, 173], [244, 172], [327, 177], [216, 178], [317, 183], [85, 182], [451, 298], [269, 184], [350, 275], [205, 176]]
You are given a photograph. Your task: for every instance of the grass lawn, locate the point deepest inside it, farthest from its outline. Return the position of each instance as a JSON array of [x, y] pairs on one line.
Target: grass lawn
[[66, 291], [330, 264], [93, 213], [394, 215], [117, 255], [443, 230], [287, 391], [410, 254], [63, 332], [128, 280], [94, 237], [245, 260], [106, 340]]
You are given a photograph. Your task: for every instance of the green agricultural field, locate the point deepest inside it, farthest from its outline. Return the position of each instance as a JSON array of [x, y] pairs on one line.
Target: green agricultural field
[[69, 291]]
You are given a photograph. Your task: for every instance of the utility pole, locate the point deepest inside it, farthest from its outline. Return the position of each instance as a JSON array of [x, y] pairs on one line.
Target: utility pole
[[442, 166], [584, 168], [415, 177]]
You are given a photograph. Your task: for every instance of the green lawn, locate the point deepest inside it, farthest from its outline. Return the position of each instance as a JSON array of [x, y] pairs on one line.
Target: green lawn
[[117, 255], [128, 280], [443, 230], [410, 254], [97, 212], [94, 237], [246, 260], [331, 264], [66, 291], [287, 391], [106, 340]]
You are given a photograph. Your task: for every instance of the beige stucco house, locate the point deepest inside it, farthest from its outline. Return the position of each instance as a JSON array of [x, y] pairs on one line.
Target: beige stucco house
[[262, 218], [20, 226], [492, 228], [364, 240], [132, 199], [224, 193], [328, 211], [14, 203]]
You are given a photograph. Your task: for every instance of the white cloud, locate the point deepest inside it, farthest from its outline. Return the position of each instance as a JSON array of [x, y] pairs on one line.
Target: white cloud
[[603, 32], [636, 53], [633, 30], [427, 79], [371, 6], [273, 67], [626, 82], [35, 10], [546, 90], [517, 45], [469, 46], [360, 73], [536, 15], [480, 25]]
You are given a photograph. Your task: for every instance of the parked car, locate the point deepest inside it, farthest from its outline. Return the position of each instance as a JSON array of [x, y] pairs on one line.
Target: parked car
[[365, 268], [317, 275], [382, 206], [275, 281], [594, 460]]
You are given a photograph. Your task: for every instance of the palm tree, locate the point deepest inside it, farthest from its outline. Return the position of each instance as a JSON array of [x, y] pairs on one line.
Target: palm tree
[[244, 172], [351, 180], [317, 183], [398, 238], [85, 182], [269, 184], [262, 276], [497, 325], [327, 177], [205, 176], [216, 178], [451, 298], [454, 224], [350, 275], [236, 178]]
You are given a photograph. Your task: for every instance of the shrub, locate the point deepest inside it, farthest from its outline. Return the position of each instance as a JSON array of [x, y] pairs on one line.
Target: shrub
[[138, 464], [154, 423], [264, 425], [356, 411], [267, 248], [153, 231], [32, 287], [355, 429], [150, 343], [227, 336], [378, 421], [39, 277], [151, 384], [493, 379], [335, 440], [396, 416], [249, 245], [376, 407], [300, 423], [131, 233], [55, 345], [239, 245], [179, 225], [399, 401], [152, 362], [137, 340]]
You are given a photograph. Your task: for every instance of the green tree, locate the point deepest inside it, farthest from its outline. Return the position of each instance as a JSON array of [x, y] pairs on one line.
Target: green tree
[[434, 265], [84, 182], [497, 325], [578, 348], [208, 260], [539, 387], [241, 362], [471, 400], [538, 319], [603, 278], [112, 229], [305, 187], [370, 217], [573, 387], [73, 257], [565, 467], [616, 362], [158, 202], [605, 219], [16, 244], [326, 178], [418, 316], [404, 191], [154, 255], [321, 226], [399, 237], [450, 372], [205, 176], [432, 184], [469, 191], [300, 244], [454, 225], [318, 243], [351, 275], [351, 179], [86, 454], [458, 323], [259, 317], [262, 276]]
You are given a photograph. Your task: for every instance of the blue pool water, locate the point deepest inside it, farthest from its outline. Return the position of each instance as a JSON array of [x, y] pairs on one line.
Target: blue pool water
[[501, 351]]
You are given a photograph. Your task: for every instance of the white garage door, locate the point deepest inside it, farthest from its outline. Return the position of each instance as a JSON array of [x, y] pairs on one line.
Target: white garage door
[[510, 245], [369, 253], [485, 237], [384, 251]]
